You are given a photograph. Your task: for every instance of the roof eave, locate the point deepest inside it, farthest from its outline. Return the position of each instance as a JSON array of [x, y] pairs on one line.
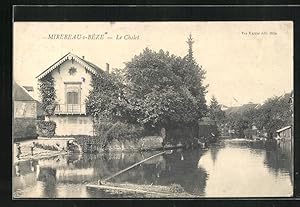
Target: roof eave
[[63, 59]]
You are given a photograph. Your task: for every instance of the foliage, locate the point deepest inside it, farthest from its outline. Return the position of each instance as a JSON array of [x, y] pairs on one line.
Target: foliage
[[164, 89], [215, 112], [176, 188], [184, 134], [156, 89], [46, 128], [48, 95], [249, 133], [242, 121], [105, 100], [274, 114], [46, 147], [107, 131], [24, 128]]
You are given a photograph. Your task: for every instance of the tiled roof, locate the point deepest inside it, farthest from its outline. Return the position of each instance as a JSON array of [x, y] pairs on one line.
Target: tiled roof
[[86, 64], [20, 93]]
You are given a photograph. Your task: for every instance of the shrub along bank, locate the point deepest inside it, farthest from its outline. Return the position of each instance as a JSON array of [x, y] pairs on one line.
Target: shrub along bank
[[129, 137], [91, 144]]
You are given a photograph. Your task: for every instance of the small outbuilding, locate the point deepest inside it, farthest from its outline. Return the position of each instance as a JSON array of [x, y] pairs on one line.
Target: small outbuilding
[[284, 133], [24, 113]]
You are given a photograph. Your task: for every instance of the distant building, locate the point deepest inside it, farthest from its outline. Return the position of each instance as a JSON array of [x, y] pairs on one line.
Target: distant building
[[39, 110], [24, 113], [72, 82]]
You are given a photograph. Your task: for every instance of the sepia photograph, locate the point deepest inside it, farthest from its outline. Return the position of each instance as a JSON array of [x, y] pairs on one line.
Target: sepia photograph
[[165, 109]]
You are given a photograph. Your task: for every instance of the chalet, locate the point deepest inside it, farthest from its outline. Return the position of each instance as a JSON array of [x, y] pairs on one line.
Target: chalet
[[24, 113], [72, 82]]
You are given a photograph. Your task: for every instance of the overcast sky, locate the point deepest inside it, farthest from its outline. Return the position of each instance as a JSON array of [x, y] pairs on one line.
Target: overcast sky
[[245, 61]]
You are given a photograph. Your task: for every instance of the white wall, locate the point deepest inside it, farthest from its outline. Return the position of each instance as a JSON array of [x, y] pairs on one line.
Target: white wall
[[62, 75], [73, 125], [25, 109]]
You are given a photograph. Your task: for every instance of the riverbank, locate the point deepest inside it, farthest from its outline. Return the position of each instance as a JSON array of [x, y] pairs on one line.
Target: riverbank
[[90, 144], [145, 191], [43, 148]]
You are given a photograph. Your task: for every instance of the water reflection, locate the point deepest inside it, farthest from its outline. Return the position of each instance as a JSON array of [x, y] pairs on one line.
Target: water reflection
[[229, 168], [246, 168]]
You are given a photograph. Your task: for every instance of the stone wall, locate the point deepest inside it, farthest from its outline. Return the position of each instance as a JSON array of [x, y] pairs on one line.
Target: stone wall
[[62, 142], [144, 144]]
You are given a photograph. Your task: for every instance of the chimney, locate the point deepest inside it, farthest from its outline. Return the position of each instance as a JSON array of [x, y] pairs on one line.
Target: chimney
[[82, 57], [107, 67]]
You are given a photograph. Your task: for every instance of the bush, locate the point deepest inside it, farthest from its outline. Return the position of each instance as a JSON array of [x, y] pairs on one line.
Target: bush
[[176, 188], [24, 128], [87, 143], [107, 131], [46, 128], [181, 134], [249, 133], [46, 147]]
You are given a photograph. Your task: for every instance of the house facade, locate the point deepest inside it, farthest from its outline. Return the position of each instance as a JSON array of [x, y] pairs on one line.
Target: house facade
[[72, 82], [24, 113]]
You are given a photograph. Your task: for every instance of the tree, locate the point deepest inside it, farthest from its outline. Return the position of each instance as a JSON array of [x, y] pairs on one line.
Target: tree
[[156, 89], [274, 114], [48, 95], [215, 112], [105, 100], [167, 90]]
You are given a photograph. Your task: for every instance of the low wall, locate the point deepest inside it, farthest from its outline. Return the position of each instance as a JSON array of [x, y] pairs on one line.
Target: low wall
[[73, 125], [62, 142], [146, 143], [88, 144]]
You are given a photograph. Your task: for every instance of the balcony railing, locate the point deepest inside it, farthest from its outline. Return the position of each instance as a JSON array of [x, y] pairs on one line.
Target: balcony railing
[[70, 109]]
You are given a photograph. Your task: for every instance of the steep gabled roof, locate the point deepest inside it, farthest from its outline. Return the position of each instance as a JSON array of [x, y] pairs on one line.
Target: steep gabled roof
[[86, 64], [20, 93]]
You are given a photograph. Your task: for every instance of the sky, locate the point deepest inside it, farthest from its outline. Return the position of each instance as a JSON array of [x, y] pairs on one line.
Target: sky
[[244, 61]]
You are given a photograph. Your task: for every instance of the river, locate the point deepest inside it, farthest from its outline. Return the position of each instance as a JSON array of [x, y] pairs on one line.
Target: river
[[229, 168]]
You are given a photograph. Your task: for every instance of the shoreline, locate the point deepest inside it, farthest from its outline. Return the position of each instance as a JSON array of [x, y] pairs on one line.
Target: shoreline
[[42, 155]]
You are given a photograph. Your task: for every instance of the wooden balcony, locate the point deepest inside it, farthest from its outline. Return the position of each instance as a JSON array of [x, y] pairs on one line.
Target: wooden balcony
[[70, 109]]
